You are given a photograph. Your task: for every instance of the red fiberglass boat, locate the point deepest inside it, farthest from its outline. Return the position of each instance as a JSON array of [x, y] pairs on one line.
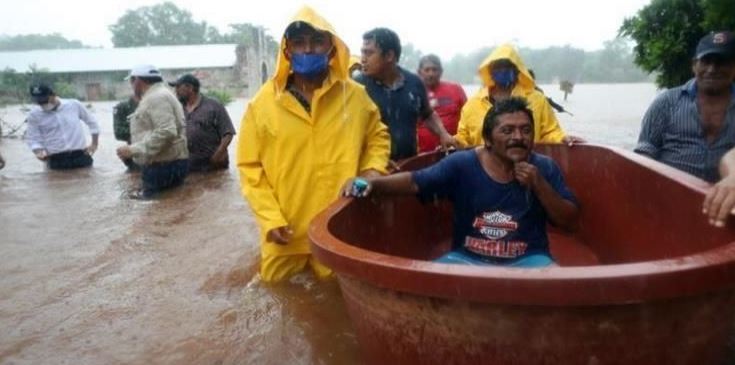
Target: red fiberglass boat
[[645, 279]]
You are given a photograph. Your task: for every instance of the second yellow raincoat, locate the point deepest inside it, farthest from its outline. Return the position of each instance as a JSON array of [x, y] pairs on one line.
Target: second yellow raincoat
[[354, 62], [546, 126], [292, 163]]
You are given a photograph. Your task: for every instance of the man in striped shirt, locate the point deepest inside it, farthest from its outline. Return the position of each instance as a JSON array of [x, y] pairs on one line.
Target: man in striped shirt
[[692, 126]]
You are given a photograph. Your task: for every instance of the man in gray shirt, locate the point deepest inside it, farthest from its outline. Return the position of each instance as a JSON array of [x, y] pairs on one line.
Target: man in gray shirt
[[209, 129]]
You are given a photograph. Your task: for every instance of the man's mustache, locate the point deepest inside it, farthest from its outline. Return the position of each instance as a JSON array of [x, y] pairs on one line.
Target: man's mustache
[[517, 145]]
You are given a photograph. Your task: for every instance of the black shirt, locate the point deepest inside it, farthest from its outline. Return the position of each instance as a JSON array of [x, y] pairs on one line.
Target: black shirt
[[206, 125], [401, 106]]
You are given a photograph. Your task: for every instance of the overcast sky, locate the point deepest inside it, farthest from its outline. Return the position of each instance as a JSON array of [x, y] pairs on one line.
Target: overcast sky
[[446, 27]]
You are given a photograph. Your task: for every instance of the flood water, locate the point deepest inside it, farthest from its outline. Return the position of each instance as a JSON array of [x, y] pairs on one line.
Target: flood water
[[92, 277]]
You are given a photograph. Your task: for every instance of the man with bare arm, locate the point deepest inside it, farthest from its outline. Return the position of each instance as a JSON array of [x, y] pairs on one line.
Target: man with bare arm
[[503, 193]]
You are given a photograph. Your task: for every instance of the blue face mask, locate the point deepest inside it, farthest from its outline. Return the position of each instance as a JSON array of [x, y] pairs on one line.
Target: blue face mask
[[308, 64], [504, 78]]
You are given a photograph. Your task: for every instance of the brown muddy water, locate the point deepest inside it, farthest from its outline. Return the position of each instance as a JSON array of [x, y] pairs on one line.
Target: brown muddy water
[[92, 277]]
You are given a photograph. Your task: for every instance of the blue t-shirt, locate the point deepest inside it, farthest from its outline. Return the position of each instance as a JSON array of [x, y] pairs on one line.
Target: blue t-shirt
[[492, 221], [401, 107]]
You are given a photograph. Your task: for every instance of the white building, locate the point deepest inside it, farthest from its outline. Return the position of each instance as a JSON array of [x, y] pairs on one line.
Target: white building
[[98, 73]]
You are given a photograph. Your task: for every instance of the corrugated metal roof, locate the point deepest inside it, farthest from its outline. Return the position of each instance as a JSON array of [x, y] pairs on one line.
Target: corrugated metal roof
[[121, 59]]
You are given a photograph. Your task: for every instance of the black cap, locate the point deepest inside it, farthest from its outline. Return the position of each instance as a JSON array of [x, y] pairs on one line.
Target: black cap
[[721, 43], [298, 27], [188, 79], [40, 92]]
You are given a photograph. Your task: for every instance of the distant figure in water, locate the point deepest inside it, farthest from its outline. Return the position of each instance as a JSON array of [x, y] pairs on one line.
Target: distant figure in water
[[567, 87], [503, 194], [692, 126], [447, 99], [555, 105], [157, 132], [121, 114], [306, 132], [2, 162], [209, 129], [55, 133], [503, 75]]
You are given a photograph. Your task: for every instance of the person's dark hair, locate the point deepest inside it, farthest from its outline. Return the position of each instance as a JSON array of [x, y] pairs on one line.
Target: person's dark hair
[[432, 58], [507, 106], [386, 40], [503, 62], [150, 79], [298, 28]]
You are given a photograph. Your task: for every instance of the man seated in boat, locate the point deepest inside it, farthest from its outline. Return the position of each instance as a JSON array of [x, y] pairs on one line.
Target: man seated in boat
[[503, 193], [692, 126]]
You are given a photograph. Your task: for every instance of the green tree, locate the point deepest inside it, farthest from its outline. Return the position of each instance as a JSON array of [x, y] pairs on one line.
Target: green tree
[[463, 68], [666, 33], [161, 24], [719, 15], [14, 85], [223, 96], [249, 35], [27, 42], [555, 63], [410, 57], [166, 24], [613, 63]]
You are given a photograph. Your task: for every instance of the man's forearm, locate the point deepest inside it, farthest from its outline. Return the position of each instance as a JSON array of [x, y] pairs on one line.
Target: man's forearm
[[562, 213], [719, 203], [223, 144], [727, 164], [401, 183], [435, 125]]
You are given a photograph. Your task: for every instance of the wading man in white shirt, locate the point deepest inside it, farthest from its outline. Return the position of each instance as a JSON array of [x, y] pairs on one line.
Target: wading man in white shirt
[[55, 133]]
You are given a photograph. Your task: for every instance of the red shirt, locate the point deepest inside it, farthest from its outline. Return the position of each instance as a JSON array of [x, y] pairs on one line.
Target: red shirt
[[447, 100]]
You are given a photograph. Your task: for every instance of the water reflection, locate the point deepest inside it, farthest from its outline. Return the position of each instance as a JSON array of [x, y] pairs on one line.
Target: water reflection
[[90, 276]]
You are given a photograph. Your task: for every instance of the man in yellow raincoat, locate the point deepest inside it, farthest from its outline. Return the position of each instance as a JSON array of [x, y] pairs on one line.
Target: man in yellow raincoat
[[306, 132], [504, 75]]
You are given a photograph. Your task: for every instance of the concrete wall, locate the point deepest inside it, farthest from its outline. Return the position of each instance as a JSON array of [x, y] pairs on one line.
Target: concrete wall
[[253, 65]]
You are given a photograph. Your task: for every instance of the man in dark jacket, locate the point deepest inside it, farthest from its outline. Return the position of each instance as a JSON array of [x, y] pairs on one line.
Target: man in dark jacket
[[121, 115]]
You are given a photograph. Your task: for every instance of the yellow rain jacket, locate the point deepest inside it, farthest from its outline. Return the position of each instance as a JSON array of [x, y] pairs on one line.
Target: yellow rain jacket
[[292, 164], [354, 60], [546, 126]]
